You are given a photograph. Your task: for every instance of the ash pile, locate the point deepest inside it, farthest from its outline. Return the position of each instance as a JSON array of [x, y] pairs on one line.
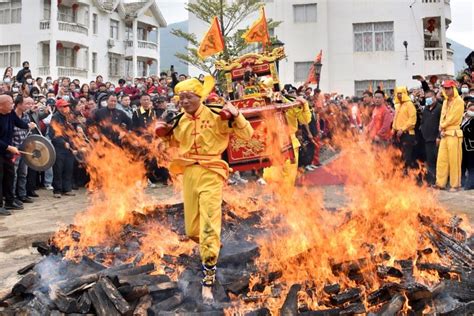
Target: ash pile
[[115, 280]]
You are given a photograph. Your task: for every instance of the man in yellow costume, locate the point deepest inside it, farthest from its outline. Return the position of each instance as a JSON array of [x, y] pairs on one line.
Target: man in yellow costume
[[285, 175], [404, 125], [202, 137], [450, 147]]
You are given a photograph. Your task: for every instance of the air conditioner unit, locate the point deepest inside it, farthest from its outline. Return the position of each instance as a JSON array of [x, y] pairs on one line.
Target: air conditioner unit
[[111, 43]]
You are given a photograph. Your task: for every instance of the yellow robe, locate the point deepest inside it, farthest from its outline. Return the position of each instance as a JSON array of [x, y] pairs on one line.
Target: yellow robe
[[285, 175], [450, 147], [405, 113], [202, 138]]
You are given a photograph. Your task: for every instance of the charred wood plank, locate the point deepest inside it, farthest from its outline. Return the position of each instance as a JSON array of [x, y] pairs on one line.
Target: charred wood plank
[[94, 265], [168, 304], [132, 293], [323, 312], [143, 279], [407, 270], [114, 295], [332, 288], [443, 271], [66, 304], [416, 291], [353, 308], [348, 295], [26, 283], [259, 312], [102, 305], [143, 305], [392, 307], [44, 299], [290, 306], [463, 291], [26, 268], [84, 303], [42, 247], [383, 294], [463, 310], [387, 271]]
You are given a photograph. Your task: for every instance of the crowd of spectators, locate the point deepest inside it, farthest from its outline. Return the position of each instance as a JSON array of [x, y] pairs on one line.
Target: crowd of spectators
[[134, 103]]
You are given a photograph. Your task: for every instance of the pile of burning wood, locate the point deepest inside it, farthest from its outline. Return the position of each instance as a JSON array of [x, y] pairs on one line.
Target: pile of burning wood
[[115, 280]]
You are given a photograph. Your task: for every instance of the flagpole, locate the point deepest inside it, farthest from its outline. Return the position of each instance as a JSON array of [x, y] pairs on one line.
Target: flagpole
[[221, 20]]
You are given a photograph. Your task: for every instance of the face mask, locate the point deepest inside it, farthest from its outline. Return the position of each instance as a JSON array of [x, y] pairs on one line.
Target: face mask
[[470, 113], [464, 90], [412, 97], [15, 89], [29, 81], [429, 101], [77, 90], [156, 85], [111, 89], [66, 98], [129, 84], [48, 81], [103, 103], [7, 80]]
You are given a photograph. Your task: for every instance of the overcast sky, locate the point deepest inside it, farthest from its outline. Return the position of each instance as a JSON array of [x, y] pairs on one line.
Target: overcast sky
[[461, 29]]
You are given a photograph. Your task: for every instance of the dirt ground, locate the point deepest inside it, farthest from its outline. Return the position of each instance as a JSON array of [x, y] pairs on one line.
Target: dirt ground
[[40, 219]]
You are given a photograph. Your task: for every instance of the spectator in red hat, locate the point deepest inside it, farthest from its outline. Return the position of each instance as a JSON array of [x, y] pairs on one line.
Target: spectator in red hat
[[64, 165]]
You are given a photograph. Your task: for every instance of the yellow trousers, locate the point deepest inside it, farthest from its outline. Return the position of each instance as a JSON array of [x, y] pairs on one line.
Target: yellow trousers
[[284, 175], [202, 194], [449, 162]]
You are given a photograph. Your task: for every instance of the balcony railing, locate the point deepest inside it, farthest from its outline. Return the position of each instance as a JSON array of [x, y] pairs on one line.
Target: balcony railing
[[435, 1], [142, 44], [44, 71], [44, 25], [73, 27], [146, 44], [71, 72], [433, 54], [450, 53]]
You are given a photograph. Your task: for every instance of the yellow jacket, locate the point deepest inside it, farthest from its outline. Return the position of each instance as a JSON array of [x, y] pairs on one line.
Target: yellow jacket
[[203, 137], [301, 115], [405, 112], [451, 116]]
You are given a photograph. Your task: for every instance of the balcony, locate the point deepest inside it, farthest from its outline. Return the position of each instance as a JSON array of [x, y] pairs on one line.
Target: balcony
[[71, 72], [148, 45], [44, 71], [450, 54], [448, 2], [73, 27], [44, 25]]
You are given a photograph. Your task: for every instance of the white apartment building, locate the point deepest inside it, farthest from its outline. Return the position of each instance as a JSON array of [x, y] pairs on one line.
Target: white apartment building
[[81, 38], [362, 41]]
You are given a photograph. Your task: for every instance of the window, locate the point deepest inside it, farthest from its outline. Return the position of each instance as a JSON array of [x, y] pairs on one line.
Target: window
[[369, 37], [129, 68], [94, 23], [67, 14], [46, 10], [10, 12], [141, 68], [45, 52], [114, 25], [304, 13], [141, 34], [94, 63], [114, 65], [66, 57], [10, 55], [86, 16], [302, 70], [361, 86]]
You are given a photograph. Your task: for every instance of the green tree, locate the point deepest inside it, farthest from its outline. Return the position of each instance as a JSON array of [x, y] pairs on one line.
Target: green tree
[[230, 15]]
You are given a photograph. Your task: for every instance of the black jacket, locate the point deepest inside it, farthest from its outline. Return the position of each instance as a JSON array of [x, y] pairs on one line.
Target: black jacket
[[142, 118], [58, 121], [20, 76], [468, 134], [105, 119], [430, 122], [7, 123]]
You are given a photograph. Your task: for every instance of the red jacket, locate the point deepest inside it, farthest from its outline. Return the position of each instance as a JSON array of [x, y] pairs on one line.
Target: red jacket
[[381, 123]]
